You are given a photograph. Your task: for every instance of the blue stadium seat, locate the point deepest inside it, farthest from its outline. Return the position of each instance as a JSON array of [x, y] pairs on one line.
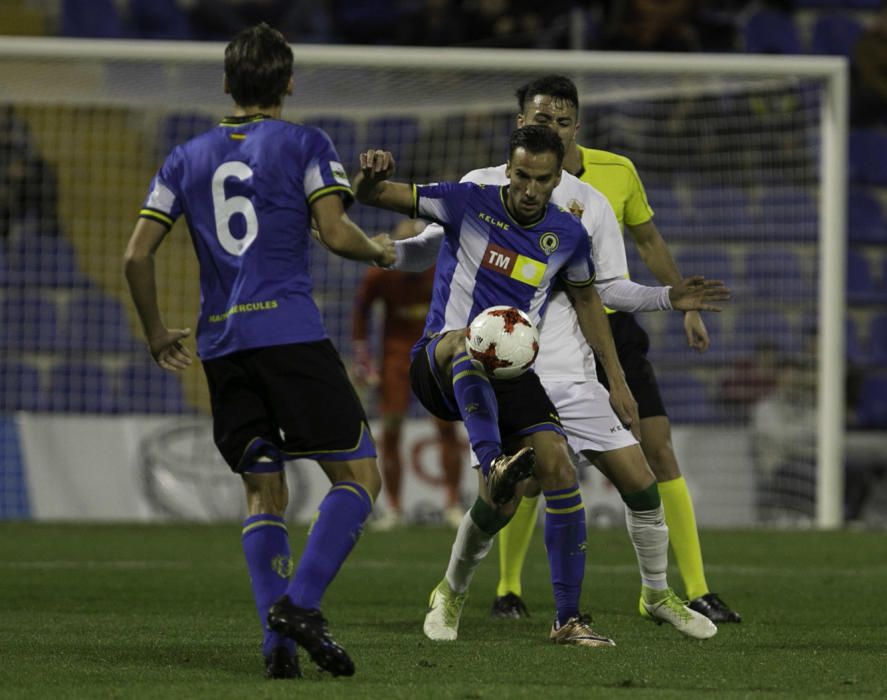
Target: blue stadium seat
[[96, 322], [4, 269], [771, 31], [80, 387], [343, 133], [159, 19], [178, 127], [853, 348], [686, 399], [20, 388], [789, 213], [392, 133], [28, 322], [668, 212], [713, 263], [90, 19], [865, 218], [877, 341], [670, 345], [835, 34], [637, 269], [861, 288], [752, 327], [44, 261], [873, 403], [145, 388], [776, 274], [725, 210], [868, 156]]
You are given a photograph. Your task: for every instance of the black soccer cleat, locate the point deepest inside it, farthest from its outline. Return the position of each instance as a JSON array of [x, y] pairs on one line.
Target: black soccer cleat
[[714, 608], [506, 472], [509, 607], [280, 664], [308, 628]]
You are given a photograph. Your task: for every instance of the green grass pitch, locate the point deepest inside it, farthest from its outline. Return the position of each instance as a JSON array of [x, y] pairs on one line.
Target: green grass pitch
[[165, 612]]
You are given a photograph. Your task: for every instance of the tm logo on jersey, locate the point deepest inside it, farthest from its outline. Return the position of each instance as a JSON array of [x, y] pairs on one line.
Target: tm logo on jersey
[[518, 267]]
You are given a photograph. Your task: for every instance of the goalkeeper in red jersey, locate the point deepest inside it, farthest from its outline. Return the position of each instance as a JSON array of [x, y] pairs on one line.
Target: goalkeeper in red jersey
[[404, 297]]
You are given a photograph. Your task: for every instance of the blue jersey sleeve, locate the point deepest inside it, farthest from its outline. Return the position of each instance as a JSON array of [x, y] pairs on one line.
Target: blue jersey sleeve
[[163, 201], [324, 173], [579, 270], [441, 202]]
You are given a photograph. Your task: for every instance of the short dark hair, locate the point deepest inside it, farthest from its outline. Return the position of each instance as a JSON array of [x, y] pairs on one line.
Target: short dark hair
[[258, 66], [554, 85], [536, 139]]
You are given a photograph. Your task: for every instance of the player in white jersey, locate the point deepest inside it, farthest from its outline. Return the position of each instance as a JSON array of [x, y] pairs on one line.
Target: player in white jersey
[[566, 367]]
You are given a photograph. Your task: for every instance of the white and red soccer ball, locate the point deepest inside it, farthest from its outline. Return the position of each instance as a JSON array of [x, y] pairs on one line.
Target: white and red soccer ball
[[503, 340]]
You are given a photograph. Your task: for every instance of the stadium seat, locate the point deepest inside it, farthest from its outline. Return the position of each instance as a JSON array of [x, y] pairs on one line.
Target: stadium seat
[[669, 213], [28, 322], [771, 31], [90, 19], [343, 133], [868, 156], [853, 348], [865, 218], [44, 261], [19, 387], [670, 344], [392, 133], [835, 34], [861, 288], [158, 19], [80, 387], [178, 127], [145, 388], [713, 263], [788, 213], [777, 274], [877, 341], [637, 269], [686, 398], [96, 322], [873, 403], [724, 211], [752, 327]]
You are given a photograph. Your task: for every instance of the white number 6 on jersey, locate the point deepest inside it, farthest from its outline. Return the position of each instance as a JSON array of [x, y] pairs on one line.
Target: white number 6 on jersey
[[226, 208]]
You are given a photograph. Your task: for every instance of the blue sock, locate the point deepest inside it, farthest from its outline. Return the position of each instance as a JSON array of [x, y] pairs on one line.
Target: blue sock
[[340, 519], [565, 543], [266, 547], [477, 406]]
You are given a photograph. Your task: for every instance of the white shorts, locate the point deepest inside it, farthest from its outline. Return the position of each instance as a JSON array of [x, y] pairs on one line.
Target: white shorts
[[587, 417]]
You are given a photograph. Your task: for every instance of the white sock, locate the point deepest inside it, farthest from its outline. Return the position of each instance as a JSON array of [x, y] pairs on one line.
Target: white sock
[[471, 546], [649, 535]]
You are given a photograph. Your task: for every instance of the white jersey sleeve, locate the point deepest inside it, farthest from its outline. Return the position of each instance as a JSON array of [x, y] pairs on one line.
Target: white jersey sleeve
[[418, 253]]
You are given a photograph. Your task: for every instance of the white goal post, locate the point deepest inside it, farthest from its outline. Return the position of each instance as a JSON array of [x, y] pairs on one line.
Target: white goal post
[[362, 84]]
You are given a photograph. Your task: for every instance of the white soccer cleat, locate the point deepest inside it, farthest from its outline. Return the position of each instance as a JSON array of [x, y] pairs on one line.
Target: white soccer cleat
[[444, 611], [665, 606]]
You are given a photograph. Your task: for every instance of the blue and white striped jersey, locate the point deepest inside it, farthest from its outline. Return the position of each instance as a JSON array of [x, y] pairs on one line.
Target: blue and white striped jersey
[[488, 259]]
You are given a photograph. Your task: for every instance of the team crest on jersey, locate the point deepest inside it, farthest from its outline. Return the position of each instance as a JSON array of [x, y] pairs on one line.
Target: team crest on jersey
[[339, 173], [549, 242], [574, 206]]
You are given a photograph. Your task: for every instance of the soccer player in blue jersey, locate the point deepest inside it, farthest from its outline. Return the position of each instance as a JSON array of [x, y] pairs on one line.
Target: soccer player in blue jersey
[[507, 245], [249, 190]]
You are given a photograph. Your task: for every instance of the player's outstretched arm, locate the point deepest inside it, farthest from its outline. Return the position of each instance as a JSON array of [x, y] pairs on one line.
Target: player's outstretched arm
[[345, 238], [695, 293], [138, 265], [657, 257], [596, 328], [373, 187]]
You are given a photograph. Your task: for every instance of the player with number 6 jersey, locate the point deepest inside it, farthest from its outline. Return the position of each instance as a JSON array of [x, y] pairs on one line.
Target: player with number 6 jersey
[[250, 190]]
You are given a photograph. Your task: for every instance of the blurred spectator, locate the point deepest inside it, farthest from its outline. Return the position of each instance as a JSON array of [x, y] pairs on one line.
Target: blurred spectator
[[784, 448], [514, 23], [28, 185], [651, 25], [751, 379], [869, 77]]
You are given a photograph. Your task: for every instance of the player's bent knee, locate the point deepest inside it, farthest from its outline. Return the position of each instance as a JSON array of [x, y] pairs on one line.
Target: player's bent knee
[[362, 471], [266, 493]]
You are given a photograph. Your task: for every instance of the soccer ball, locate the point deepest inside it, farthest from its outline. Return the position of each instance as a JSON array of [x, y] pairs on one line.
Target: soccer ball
[[503, 340]]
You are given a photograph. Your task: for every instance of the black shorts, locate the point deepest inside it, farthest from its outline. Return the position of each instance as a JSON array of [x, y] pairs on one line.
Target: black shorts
[[286, 401], [524, 407], [632, 345]]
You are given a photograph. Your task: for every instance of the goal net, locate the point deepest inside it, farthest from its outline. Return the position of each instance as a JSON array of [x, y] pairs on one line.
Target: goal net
[[741, 158]]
